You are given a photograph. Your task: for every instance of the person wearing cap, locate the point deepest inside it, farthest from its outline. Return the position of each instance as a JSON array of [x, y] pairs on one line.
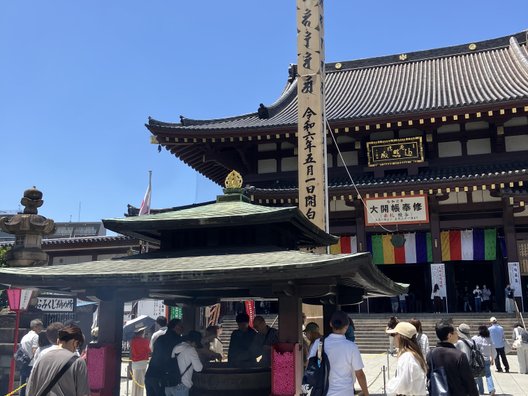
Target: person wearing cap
[[344, 359], [139, 354], [242, 351], [464, 340], [411, 371], [485, 346], [454, 363], [188, 362], [497, 337]]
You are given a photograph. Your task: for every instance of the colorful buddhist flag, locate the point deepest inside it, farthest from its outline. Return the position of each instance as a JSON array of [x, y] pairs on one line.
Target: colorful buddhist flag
[[346, 244], [416, 249], [469, 245]]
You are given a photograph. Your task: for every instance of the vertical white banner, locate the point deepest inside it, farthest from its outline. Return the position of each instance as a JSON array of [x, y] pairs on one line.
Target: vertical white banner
[[515, 278], [438, 277]]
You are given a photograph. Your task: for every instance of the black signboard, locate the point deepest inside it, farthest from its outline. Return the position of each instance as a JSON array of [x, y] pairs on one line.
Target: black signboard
[[395, 151]]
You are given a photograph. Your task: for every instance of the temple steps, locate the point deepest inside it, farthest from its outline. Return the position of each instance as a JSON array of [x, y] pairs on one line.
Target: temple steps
[[370, 328]]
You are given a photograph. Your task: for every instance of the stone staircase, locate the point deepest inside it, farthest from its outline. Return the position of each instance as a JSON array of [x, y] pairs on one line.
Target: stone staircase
[[370, 328]]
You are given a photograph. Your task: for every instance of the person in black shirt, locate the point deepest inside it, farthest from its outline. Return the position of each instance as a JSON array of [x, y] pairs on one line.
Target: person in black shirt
[[266, 337], [242, 345], [156, 374], [455, 363]]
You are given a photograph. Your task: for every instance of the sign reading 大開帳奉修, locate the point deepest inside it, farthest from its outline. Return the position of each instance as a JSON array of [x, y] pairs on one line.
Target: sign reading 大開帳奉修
[[396, 210], [395, 151]]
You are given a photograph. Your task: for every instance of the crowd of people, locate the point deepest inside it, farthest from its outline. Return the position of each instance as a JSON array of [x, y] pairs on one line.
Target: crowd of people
[[164, 363]]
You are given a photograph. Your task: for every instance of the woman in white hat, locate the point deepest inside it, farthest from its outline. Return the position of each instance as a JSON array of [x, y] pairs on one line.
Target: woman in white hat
[[410, 379]]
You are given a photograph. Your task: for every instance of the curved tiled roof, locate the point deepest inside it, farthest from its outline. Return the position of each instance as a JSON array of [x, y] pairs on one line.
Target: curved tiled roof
[[425, 82], [466, 173]]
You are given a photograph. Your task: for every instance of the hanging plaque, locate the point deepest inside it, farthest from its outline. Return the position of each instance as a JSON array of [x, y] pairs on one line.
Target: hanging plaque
[[396, 210], [395, 151]]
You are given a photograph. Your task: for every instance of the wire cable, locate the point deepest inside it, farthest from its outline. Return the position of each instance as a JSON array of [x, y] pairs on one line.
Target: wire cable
[[352, 179]]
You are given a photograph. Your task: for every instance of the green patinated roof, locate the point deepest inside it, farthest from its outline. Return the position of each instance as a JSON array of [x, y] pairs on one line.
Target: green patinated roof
[[208, 268], [220, 214]]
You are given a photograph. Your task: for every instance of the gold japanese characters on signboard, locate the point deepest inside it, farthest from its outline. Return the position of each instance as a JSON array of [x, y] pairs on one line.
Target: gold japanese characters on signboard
[[395, 151]]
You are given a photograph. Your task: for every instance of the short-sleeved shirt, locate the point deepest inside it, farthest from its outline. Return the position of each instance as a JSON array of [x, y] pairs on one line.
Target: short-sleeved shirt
[[74, 382], [497, 335], [29, 343], [345, 360]]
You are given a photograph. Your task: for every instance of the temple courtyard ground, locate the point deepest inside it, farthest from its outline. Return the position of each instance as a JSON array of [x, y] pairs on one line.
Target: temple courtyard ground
[[506, 384]]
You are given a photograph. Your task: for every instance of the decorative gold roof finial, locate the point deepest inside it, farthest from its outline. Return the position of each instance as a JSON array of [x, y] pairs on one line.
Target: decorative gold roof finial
[[233, 180]]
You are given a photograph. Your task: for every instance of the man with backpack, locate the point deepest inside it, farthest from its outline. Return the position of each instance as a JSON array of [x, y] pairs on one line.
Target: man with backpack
[[467, 345], [450, 364], [157, 376], [344, 359], [184, 362], [28, 347]]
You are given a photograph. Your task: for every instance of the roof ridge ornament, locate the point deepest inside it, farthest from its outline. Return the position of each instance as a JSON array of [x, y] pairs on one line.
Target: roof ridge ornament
[[233, 180]]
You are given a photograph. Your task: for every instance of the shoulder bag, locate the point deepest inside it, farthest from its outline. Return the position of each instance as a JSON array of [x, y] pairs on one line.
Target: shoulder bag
[[438, 380], [59, 375]]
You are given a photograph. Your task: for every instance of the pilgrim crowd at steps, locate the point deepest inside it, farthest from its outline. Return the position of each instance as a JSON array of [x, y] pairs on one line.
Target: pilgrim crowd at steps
[[461, 360]]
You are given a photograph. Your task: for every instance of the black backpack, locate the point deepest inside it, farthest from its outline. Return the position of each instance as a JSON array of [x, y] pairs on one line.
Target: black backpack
[[315, 379], [476, 360], [22, 359], [172, 375]]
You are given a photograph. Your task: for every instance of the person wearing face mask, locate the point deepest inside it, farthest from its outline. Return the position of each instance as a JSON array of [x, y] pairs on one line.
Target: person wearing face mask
[[60, 372]]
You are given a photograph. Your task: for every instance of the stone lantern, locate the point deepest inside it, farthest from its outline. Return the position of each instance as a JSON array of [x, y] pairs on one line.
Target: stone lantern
[[28, 228]]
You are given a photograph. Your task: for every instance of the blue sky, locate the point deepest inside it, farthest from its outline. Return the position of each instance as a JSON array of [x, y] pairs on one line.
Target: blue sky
[[78, 80]]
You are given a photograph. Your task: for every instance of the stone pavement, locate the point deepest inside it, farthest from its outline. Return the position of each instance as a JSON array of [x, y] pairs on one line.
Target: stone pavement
[[511, 384]]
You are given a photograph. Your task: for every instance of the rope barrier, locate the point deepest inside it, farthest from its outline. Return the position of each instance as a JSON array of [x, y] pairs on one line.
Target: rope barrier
[[374, 380], [133, 379], [16, 390]]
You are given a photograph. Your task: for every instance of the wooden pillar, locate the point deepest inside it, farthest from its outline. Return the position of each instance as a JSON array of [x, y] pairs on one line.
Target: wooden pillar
[[290, 319], [190, 317], [434, 219], [290, 329], [361, 234], [110, 322], [328, 310], [509, 230]]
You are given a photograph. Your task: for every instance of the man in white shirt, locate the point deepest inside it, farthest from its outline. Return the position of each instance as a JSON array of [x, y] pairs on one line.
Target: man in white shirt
[[29, 344], [188, 362], [345, 360], [162, 323]]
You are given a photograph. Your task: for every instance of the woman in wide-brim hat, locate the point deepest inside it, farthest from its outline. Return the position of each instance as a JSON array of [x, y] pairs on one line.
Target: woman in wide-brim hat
[[411, 371]]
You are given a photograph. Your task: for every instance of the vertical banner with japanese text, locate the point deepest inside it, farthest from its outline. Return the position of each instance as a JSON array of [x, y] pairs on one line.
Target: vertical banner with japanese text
[[438, 277], [514, 273], [311, 136]]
